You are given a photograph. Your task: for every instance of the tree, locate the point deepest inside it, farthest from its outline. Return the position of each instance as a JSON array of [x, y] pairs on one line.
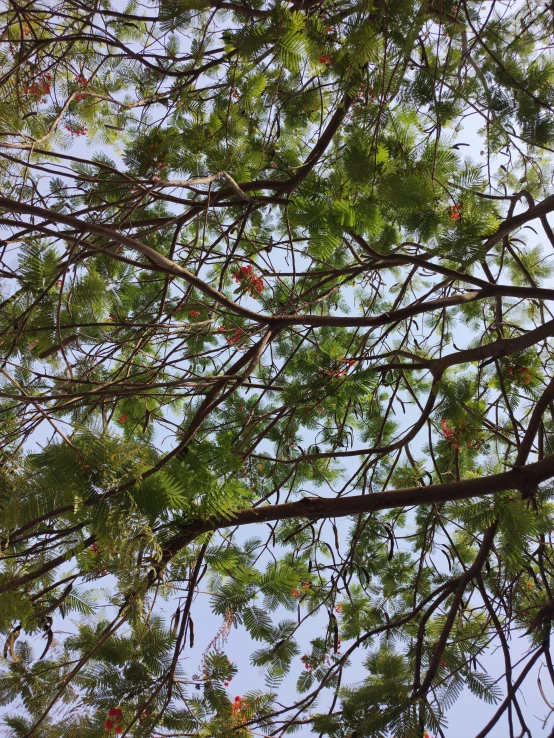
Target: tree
[[252, 276]]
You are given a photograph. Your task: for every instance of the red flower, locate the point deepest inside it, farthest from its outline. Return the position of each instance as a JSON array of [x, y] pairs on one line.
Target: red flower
[[225, 684], [325, 59], [294, 592], [108, 725], [445, 429], [194, 313], [94, 549], [118, 729], [254, 282], [122, 418], [38, 88], [77, 130], [455, 212], [526, 374], [238, 705], [115, 712], [81, 80], [258, 285], [155, 178], [236, 338], [244, 271]]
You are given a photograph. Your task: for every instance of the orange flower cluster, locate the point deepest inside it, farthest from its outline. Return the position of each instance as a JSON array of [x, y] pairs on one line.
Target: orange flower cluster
[[455, 212], [239, 707], [309, 666], [325, 59], [81, 80], [236, 338], [39, 87], [524, 373], [296, 593], [77, 130], [254, 283], [340, 372], [454, 436]]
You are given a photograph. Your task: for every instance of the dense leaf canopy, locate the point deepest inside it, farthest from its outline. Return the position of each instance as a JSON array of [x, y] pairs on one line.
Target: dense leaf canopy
[[282, 265]]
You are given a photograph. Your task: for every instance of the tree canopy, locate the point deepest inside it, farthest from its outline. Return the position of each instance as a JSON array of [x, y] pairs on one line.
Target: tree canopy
[[283, 265]]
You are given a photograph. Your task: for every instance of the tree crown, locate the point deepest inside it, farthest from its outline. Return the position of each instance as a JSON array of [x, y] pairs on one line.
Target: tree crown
[[256, 273]]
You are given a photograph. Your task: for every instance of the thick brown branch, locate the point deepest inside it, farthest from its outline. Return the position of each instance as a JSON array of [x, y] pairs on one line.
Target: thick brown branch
[[319, 507]]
